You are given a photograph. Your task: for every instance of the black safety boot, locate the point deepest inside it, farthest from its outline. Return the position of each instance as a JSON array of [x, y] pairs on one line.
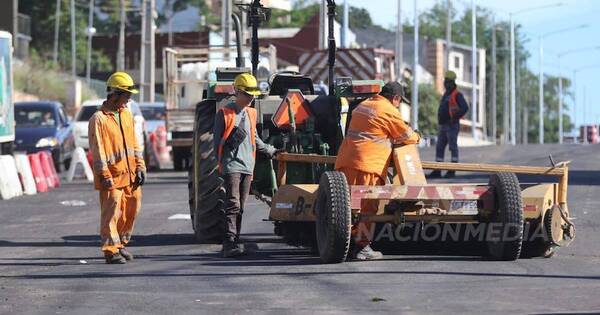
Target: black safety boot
[[435, 174], [231, 249], [126, 254], [115, 258], [450, 174]]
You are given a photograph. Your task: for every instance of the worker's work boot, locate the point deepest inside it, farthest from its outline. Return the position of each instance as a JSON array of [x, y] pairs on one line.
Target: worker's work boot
[[115, 258], [367, 253], [435, 174], [126, 254], [231, 249], [450, 174]]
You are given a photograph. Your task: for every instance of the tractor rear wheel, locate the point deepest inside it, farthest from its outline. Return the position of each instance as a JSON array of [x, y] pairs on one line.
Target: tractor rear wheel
[[333, 217], [505, 232], [206, 192]]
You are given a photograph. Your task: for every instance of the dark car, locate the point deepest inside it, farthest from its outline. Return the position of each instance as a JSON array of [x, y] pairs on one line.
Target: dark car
[[42, 126]]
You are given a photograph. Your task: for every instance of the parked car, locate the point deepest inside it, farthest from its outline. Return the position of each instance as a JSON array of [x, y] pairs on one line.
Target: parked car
[[154, 114], [88, 108], [43, 125]]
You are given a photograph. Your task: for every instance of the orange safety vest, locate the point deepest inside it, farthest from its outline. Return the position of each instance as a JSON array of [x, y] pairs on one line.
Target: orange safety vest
[[367, 146], [116, 151], [229, 118], [453, 108]]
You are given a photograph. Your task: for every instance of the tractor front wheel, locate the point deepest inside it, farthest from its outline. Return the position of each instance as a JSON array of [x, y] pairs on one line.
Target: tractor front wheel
[[505, 231], [333, 217]]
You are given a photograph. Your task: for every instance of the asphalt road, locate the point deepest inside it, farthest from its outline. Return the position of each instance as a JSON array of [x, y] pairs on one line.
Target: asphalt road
[[50, 260]]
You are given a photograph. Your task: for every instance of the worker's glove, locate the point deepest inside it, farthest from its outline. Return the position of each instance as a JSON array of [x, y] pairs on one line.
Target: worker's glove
[[140, 178], [107, 182], [276, 152]]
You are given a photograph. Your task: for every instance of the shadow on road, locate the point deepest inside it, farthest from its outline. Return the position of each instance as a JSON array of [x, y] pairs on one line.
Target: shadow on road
[[94, 241]]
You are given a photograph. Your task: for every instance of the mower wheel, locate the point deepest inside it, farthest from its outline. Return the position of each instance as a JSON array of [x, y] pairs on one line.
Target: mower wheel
[[508, 218], [205, 187], [333, 217]]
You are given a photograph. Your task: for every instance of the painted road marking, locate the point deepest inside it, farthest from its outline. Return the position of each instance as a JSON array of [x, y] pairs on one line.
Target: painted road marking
[[180, 216]]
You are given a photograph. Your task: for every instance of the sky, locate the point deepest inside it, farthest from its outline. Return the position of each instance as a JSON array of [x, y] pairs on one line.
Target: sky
[[570, 13]]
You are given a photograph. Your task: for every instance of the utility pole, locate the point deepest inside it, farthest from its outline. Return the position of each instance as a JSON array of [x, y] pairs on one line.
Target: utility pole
[[506, 95], [448, 36], [493, 81], [525, 129], [147, 62], [344, 35], [56, 31], [90, 33], [583, 121], [414, 121], [513, 86], [399, 44], [322, 19], [73, 41], [560, 104], [541, 92], [226, 26], [474, 69], [121, 49]]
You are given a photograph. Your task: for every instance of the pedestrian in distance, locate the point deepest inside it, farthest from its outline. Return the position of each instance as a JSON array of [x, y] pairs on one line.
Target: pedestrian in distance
[[453, 107], [119, 168]]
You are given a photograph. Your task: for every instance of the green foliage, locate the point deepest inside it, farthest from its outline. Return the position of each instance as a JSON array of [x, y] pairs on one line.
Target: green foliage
[[39, 77], [429, 100], [42, 33]]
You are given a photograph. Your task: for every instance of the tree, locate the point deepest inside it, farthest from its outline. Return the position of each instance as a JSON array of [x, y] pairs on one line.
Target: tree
[[42, 33]]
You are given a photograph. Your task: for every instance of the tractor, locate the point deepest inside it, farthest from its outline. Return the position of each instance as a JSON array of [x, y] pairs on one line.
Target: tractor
[[312, 205]]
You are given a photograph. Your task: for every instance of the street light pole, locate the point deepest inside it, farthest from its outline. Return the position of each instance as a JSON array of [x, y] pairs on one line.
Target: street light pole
[[73, 41], [513, 86], [560, 89], [56, 31], [415, 84], [90, 33], [541, 95], [474, 69], [541, 83]]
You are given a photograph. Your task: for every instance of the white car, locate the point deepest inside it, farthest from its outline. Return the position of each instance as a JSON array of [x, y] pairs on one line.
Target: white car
[[88, 108]]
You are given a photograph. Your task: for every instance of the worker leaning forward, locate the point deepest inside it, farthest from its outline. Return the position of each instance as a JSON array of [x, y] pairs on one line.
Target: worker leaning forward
[[453, 107], [119, 168], [236, 145], [365, 153]]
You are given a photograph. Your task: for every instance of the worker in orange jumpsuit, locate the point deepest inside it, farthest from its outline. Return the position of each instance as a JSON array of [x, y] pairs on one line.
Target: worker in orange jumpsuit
[[365, 153], [119, 168]]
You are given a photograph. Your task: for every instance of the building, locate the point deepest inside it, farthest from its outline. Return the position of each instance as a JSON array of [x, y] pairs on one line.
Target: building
[[431, 58], [18, 24]]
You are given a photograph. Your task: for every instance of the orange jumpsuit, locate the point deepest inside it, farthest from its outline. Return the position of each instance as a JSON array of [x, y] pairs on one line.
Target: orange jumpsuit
[[116, 155], [365, 153]]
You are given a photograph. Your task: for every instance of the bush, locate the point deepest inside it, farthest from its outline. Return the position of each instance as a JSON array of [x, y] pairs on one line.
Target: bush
[[43, 80]]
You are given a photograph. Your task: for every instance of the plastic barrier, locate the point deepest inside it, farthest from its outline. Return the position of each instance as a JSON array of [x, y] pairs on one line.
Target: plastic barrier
[[161, 140], [25, 174], [49, 170], [10, 185], [41, 184], [79, 157]]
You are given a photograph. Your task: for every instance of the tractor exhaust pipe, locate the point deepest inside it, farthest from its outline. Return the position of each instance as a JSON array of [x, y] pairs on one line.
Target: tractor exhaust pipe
[[331, 44], [255, 22], [239, 60]]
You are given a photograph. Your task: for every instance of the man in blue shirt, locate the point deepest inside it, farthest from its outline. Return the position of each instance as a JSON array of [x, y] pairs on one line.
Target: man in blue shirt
[[453, 107]]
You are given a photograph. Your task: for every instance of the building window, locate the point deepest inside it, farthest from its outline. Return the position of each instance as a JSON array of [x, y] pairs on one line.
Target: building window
[[457, 64]]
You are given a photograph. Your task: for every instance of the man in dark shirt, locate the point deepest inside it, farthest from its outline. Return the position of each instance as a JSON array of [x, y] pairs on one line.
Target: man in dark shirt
[[236, 144], [453, 107]]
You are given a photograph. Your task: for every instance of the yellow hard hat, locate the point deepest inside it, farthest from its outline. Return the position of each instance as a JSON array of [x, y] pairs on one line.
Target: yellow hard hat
[[450, 75], [247, 83], [121, 81]]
